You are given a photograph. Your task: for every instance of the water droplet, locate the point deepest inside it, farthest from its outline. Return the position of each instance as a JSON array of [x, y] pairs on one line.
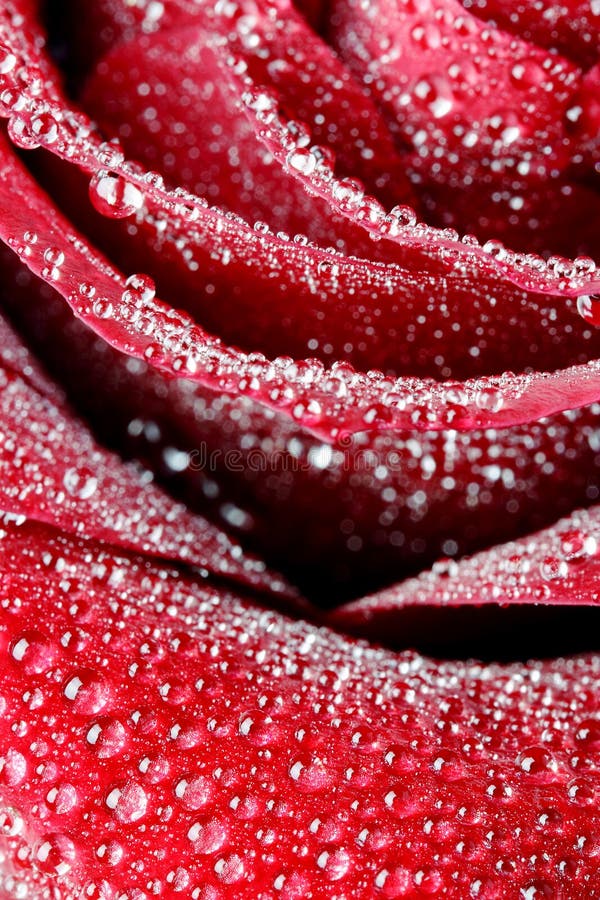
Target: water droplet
[[587, 734], [20, 133], [87, 290], [259, 728], [44, 127], [194, 791], [8, 60], [34, 652], [103, 308], [553, 567], [588, 308], [62, 798], [208, 836], [581, 792], [349, 193], [54, 256], [87, 691], [310, 774], [302, 160], [13, 768], [489, 399], [113, 196], [80, 483], [128, 802], [107, 737], [140, 287], [399, 217], [537, 761], [334, 862], [11, 822], [54, 855], [110, 853], [230, 869]]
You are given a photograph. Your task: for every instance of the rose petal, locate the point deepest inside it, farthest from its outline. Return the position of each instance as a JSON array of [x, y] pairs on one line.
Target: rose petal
[[79, 143], [486, 115], [177, 65], [173, 343], [51, 470], [416, 403], [405, 51], [573, 28], [387, 504], [557, 566], [148, 778]]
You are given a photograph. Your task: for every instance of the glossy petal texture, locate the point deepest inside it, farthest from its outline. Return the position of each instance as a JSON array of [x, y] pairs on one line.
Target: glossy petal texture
[[350, 411], [488, 116], [152, 783], [573, 28], [370, 401], [386, 504], [559, 565], [189, 65], [51, 470]]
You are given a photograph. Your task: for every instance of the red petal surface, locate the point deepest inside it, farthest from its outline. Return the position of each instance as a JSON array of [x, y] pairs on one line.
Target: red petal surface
[[369, 399], [571, 27], [143, 327], [149, 783], [387, 504], [560, 565], [163, 736], [51, 470], [200, 118], [486, 115]]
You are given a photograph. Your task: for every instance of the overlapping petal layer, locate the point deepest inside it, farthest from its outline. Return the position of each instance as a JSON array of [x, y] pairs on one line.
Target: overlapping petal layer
[[370, 401], [52, 471], [386, 505], [199, 748], [345, 400]]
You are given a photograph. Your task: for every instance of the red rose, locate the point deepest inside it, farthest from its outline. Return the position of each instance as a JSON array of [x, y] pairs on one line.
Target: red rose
[[337, 391]]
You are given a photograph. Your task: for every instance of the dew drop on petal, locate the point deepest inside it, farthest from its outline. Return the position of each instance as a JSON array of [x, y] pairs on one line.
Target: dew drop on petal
[[34, 652], [11, 822], [140, 287], [114, 196], [80, 483], [128, 802], [54, 855], [87, 691], [194, 791], [588, 307]]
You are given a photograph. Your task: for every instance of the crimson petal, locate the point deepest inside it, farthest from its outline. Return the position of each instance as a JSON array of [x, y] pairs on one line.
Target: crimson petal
[[152, 782], [558, 566], [369, 400], [386, 504], [51, 470], [573, 28], [311, 84], [486, 115]]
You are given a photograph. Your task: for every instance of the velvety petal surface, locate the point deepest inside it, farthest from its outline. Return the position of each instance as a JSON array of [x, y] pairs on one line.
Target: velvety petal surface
[[369, 399], [51, 470], [152, 783]]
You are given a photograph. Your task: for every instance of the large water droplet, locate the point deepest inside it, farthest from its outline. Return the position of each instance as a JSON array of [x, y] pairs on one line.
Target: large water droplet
[[54, 855], [113, 196], [87, 691], [588, 308], [128, 802], [208, 836], [34, 652], [194, 791]]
